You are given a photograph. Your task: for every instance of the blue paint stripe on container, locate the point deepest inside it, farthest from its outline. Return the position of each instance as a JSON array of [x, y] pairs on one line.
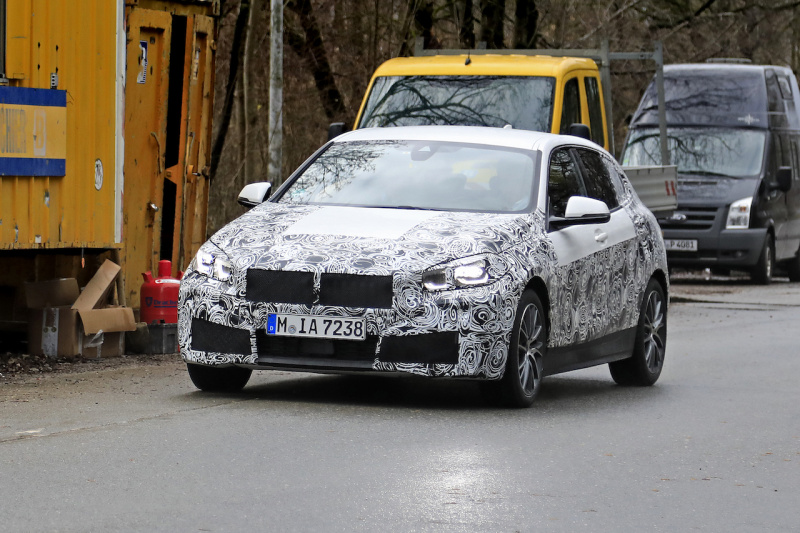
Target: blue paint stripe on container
[[28, 166], [26, 96]]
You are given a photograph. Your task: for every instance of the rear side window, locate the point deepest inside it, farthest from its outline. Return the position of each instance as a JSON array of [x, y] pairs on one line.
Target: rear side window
[[563, 182], [595, 111], [571, 109], [597, 178]]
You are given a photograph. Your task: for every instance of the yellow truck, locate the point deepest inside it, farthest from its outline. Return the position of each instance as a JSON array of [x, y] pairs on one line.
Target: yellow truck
[[105, 133], [557, 91], [528, 92]]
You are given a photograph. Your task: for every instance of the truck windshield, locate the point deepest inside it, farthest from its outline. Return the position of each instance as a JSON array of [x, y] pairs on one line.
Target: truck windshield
[[417, 175], [707, 151], [524, 102]]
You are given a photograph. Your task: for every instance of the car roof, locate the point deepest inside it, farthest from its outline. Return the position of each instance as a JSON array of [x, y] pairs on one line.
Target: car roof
[[504, 137], [720, 67], [483, 64]]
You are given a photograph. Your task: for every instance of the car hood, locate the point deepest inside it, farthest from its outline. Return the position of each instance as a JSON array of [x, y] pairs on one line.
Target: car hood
[[715, 189], [363, 240]]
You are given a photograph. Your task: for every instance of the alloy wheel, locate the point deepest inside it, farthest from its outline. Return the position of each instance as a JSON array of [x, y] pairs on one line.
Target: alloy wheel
[[529, 349], [654, 345]]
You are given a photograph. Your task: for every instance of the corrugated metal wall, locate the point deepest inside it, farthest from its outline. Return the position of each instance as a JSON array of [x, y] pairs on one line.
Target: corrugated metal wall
[[71, 45]]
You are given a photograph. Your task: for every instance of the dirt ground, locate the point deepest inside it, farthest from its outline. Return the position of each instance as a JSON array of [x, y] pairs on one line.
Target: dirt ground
[[15, 367]]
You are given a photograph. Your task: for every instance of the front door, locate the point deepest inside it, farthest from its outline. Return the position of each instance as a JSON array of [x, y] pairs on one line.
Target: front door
[[588, 300]]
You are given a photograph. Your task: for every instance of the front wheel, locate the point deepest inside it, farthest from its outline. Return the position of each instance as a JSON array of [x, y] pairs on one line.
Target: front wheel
[[644, 366], [216, 379], [522, 379], [794, 267], [762, 272]]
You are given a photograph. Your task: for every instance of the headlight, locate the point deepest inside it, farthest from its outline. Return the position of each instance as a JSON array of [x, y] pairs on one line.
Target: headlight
[[462, 273], [739, 214], [212, 263]]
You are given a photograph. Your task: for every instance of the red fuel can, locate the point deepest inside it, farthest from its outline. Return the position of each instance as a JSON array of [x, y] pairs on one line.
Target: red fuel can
[[159, 296]]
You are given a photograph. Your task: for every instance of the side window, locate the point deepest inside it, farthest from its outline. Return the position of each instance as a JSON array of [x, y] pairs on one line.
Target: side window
[[595, 110], [571, 109], [596, 177], [774, 96], [563, 182], [796, 159]]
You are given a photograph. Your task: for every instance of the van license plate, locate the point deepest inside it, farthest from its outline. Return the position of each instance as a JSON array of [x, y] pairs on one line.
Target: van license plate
[[320, 327], [681, 245]]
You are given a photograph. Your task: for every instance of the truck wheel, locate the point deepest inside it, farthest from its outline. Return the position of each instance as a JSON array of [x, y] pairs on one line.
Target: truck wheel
[[216, 379], [762, 272], [644, 366]]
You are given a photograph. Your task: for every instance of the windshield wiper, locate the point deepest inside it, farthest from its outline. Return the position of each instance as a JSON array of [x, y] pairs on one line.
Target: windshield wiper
[[409, 207], [707, 173]]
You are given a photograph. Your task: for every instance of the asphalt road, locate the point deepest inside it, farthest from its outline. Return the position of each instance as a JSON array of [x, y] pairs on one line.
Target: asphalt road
[[714, 446]]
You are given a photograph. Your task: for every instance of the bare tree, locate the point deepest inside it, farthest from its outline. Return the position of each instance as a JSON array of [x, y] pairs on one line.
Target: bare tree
[[237, 50], [492, 18], [526, 20], [311, 48]]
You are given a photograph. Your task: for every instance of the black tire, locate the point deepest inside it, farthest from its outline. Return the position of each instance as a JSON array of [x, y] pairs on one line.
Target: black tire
[[522, 378], [218, 379], [644, 366], [762, 272], [793, 267]]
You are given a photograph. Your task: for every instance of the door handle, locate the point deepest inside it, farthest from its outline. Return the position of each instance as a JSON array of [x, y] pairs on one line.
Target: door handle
[[601, 236]]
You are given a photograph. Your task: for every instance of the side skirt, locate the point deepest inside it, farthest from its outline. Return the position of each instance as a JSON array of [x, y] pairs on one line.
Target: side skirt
[[613, 347]]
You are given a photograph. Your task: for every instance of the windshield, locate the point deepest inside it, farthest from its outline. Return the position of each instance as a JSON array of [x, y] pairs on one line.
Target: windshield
[[525, 102], [417, 175], [711, 151]]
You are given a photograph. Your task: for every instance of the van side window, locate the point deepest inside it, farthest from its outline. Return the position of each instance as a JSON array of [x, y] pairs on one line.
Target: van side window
[[796, 158], [571, 108], [785, 86], [563, 182], [774, 96], [596, 177], [780, 155], [595, 111]]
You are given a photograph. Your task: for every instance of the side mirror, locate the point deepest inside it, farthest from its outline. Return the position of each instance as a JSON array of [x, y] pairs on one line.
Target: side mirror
[[580, 130], [254, 194], [335, 129], [784, 178], [582, 210]]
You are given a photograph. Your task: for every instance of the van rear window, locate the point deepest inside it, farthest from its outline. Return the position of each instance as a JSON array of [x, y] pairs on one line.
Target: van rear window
[[524, 102]]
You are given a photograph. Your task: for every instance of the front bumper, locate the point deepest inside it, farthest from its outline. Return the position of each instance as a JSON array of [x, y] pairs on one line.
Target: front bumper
[[460, 333], [739, 248]]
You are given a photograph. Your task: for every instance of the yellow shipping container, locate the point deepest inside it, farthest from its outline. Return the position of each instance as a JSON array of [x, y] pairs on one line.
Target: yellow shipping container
[[105, 134]]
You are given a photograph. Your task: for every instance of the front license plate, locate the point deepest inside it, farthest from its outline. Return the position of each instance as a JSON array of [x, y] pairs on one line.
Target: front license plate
[[681, 245], [320, 327]]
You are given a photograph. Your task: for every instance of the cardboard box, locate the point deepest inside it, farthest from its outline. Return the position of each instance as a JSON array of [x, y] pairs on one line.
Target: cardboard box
[[64, 322], [54, 332], [95, 294]]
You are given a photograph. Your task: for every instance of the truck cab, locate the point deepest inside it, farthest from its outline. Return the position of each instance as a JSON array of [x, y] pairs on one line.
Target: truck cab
[[531, 92], [734, 133]]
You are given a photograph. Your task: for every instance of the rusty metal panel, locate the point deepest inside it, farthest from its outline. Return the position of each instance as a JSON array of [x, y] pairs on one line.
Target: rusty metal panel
[[137, 129], [52, 45]]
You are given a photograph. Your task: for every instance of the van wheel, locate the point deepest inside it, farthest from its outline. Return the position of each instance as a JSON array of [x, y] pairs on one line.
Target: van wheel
[[794, 267], [216, 379], [762, 272]]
